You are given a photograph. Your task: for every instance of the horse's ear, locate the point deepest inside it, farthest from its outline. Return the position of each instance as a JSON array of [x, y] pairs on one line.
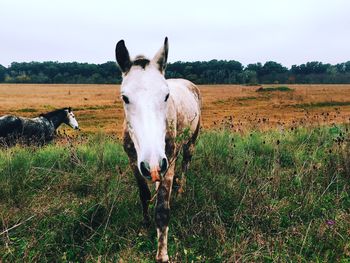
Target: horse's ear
[[122, 56], [161, 58]]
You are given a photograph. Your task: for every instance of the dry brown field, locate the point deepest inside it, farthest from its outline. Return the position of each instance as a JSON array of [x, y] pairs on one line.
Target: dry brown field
[[237, 107]]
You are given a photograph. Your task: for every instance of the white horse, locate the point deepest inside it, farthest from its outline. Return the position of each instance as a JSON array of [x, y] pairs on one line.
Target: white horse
[[161, 118]]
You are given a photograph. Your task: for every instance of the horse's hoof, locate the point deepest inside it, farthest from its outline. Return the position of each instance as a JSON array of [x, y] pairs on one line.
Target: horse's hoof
[[162, 259]]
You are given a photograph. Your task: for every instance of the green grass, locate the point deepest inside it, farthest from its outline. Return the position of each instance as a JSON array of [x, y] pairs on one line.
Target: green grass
[[241, 100], [323, 104], [247, 98], [26, 110], [260, 197], [97, 107], [269, 89]]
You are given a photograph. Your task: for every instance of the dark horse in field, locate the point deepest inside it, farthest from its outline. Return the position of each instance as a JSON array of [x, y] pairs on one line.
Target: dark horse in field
[[38, 130], [162, 117]]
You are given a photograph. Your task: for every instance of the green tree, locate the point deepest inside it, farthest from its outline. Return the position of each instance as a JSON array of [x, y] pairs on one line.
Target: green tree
[[2, 73]]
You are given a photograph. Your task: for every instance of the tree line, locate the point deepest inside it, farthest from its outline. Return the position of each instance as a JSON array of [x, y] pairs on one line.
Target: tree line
[[200, 72]]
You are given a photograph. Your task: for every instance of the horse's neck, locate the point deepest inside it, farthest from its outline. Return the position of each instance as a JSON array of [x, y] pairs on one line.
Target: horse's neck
[[56, 120]]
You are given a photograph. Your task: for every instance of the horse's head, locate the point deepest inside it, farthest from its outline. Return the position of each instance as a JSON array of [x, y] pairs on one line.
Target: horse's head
[[145, 93], [70, 119]]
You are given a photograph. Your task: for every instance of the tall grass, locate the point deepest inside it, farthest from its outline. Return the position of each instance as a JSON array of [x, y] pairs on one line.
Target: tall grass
[[269, 89], [273, 196]]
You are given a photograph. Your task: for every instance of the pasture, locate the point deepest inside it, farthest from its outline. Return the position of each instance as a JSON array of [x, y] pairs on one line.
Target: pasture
[[269, 181], [99, 109]]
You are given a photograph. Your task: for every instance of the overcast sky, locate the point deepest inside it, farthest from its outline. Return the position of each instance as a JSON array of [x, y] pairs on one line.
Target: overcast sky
[[249, 31]]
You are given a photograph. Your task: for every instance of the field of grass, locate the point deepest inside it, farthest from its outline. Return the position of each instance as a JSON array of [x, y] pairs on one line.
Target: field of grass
[[273, 196], [278, 88], [98, 108], [269, 181]]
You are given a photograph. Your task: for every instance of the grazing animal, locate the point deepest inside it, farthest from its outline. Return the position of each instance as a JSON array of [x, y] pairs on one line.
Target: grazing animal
[[39, 130], [161, 118]]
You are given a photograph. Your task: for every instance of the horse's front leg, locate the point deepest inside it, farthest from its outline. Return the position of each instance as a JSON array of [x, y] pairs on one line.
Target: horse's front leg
[[163, 214], [145, 195], [144, 192]]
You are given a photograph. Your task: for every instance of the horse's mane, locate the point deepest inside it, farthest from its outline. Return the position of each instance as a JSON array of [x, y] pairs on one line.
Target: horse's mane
[[141, 61], [52, 113]]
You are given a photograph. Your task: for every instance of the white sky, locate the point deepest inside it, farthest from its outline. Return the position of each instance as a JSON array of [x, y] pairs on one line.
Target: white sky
[[249, 31]]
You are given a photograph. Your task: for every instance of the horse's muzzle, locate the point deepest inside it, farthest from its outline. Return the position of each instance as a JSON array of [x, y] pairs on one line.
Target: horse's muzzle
[[155, 173], [155, 176]]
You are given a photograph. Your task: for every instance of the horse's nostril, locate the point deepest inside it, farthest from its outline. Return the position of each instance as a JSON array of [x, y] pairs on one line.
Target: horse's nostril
[[163, 165], [145, 169]]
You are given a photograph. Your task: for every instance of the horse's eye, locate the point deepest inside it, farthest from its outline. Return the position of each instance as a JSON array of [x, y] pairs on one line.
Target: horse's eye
[[125, 99], [166, 97]]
